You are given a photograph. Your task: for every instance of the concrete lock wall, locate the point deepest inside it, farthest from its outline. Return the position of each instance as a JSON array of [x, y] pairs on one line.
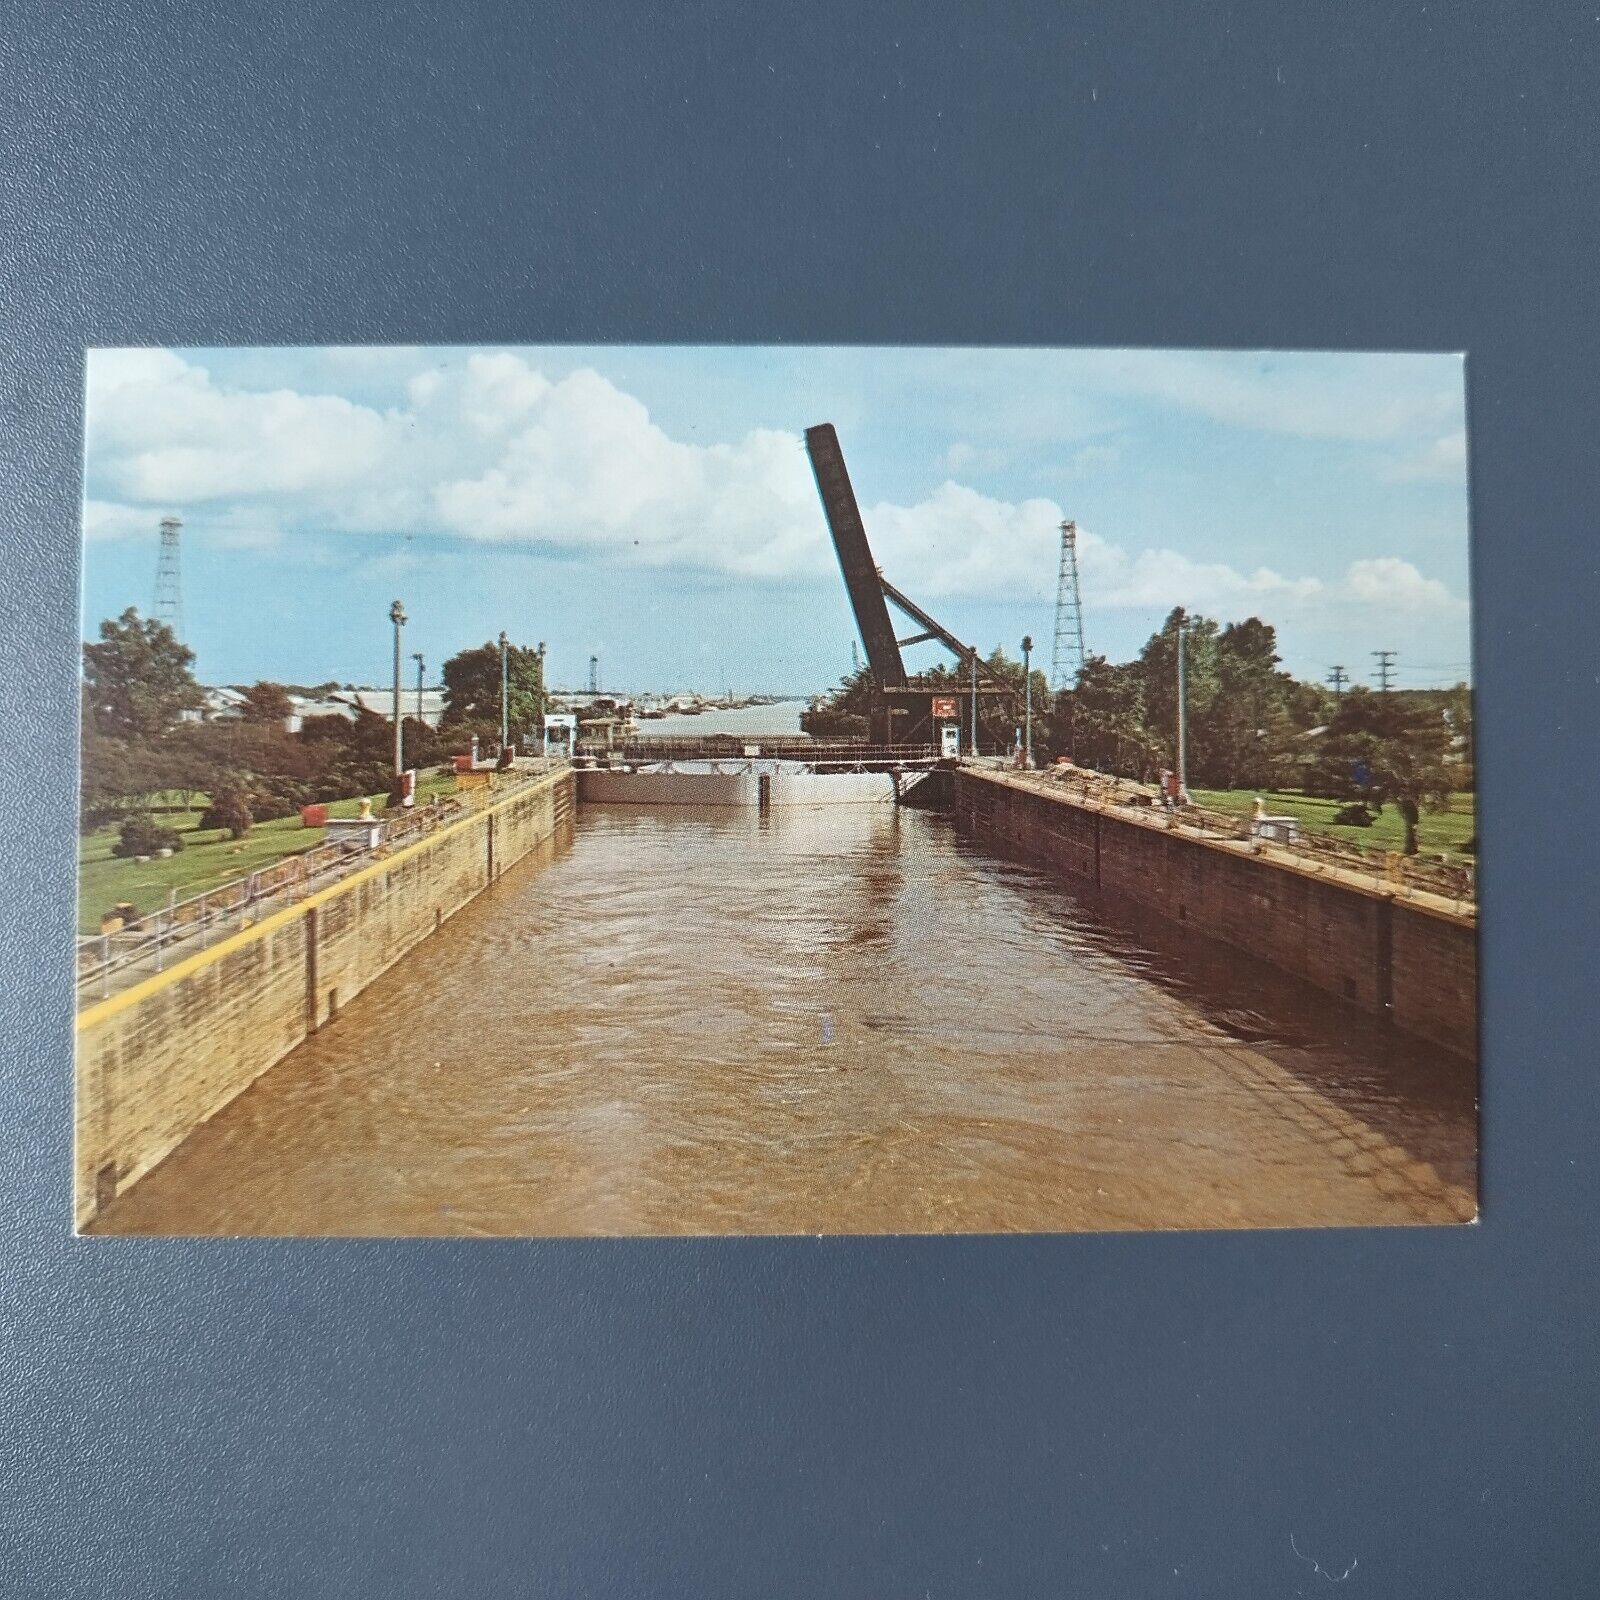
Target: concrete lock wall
[[749, 782], [158, 1059], [1383, 952]]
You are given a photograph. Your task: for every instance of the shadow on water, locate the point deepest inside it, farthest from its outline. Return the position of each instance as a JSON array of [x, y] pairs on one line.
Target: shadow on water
[[1406, 1088]]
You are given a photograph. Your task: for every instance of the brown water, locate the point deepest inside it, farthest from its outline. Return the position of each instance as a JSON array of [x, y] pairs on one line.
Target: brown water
[[838, 1021]]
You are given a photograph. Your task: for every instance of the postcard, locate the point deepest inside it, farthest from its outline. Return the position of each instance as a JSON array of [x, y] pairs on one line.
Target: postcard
[[547, 791]]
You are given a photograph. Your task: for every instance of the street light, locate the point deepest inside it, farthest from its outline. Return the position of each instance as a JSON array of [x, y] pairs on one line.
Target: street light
[[974, 662], [1027, 700], [505, 703], [1183, 716], [397, 615]]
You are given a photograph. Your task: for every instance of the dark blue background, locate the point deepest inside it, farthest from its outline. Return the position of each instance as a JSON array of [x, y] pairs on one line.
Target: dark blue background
[[1091, 1416]]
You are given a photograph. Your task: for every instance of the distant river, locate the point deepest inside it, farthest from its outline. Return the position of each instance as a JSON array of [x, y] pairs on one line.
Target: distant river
[[784, 717]]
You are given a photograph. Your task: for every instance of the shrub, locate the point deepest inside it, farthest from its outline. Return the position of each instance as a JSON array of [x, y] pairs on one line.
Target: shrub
[[1356, 816], [271, 798], [229, 809], [351, 778], [823, 722], [142, 835]]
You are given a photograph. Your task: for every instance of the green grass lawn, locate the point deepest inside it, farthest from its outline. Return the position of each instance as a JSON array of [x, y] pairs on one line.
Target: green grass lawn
[[1438, 833], [208, 858]]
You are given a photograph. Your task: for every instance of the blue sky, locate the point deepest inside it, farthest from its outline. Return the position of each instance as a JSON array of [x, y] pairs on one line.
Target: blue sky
[[654, 505]]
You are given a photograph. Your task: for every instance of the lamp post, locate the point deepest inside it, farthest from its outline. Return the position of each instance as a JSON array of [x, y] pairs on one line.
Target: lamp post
[[505, 702], [1027, 700], [397, 615], [974, 702], [1183, 716]]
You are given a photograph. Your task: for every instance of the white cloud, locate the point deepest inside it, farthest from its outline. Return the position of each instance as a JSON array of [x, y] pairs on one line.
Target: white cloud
[[161, 432], [1390, 584], [958, 541], [1442, 461], [493, 450], [1160, 579], [580, 465], [105, 519]]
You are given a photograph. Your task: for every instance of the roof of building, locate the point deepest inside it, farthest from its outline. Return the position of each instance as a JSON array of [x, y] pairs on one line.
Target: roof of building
[[381, 701]]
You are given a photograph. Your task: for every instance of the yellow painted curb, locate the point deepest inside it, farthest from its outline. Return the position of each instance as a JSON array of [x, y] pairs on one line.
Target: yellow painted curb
[[102, 1010]]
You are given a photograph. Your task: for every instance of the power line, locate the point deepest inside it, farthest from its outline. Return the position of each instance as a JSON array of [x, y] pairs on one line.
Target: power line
[[1385, 668]]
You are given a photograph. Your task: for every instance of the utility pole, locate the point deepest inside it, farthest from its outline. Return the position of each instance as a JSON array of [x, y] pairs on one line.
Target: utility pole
[[1338, 677], [397, 615], [505, 699], [1385, 668], [1027, 700], [974, 702], [1183, 717], [416, 655]]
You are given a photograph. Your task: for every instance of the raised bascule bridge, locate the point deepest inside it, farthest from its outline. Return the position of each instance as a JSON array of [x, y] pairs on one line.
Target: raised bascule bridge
[[905, 709], [918, 725]]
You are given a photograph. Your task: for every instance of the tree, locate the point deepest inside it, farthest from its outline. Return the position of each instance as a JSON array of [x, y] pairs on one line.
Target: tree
[[137, 679], [1395, 752], [118, 776], [1458, 713], [1237, 741], [267, 702], [142, 835], [1101, 721], [472, 688], [1001, 716], [843, 714], [229, 809], [1202, 683]]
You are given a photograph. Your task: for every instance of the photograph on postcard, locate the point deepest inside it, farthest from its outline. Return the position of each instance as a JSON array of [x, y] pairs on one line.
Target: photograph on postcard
[[636, 791]]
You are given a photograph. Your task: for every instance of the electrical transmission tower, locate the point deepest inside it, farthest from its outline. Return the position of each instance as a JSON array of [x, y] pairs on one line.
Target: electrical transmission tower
[[594, 674], [1385, 668], [169, 591], [1067, 659], [1338, 677]]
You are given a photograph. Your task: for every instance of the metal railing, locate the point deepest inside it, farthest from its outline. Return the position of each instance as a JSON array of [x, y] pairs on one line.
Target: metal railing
[[1385, 869], [151, 942], [841, 753]]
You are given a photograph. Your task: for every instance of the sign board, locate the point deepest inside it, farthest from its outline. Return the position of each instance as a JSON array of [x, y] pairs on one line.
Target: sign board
[[950, 740], [944, 705]]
